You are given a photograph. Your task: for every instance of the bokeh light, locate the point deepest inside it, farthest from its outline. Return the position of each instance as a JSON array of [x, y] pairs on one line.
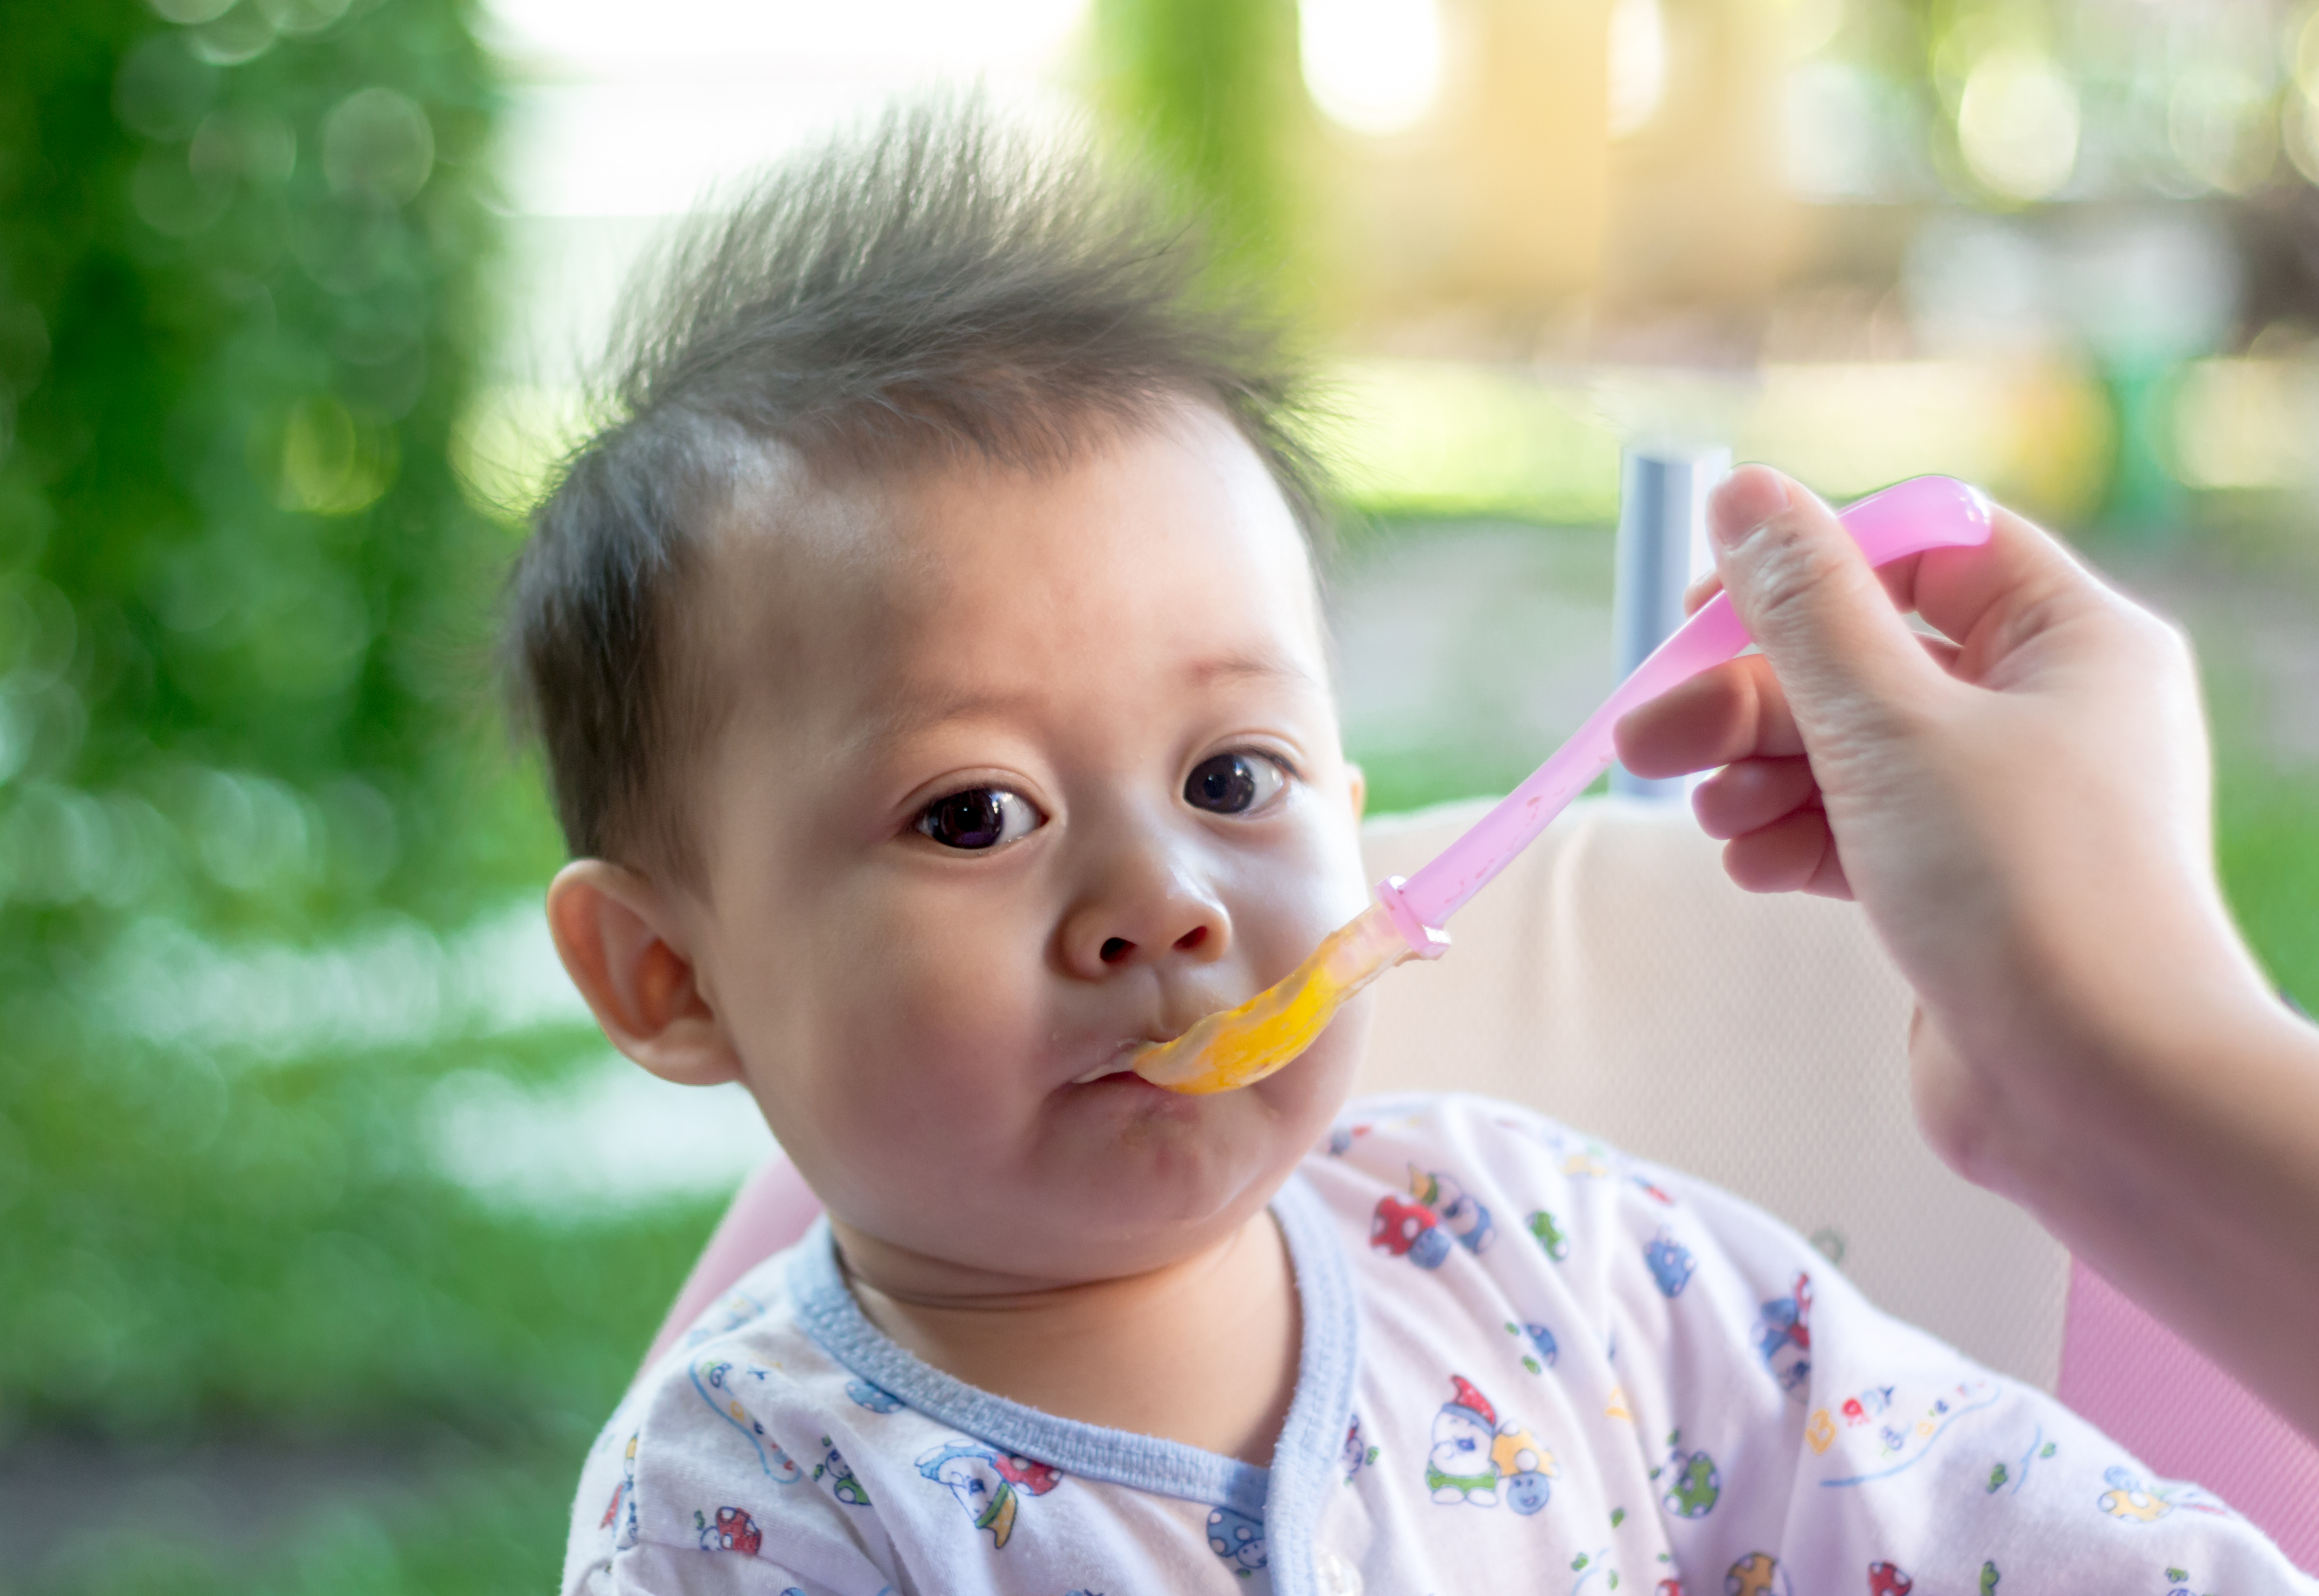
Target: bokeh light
[[2018, 123], [1637, 64], [1372, 65]]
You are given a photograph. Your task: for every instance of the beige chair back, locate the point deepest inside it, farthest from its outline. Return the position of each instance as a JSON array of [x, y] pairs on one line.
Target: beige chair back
[[1614, 978]]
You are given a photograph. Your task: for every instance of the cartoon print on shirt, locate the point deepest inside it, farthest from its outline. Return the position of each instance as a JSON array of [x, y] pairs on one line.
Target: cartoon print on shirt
[[623, 1509], [1458, 1467], [987, 1484], [1525, 1467], [714, 1380], [1758, 1573], [1656, 1193], [1670, 1261], [1410, 1231], [1988, 1579], [1783, 1337], [1588, 1163], [1689, 1483], [1543, 1349], [876, 1398], [1473, 1454], [842, 1485], [1342, 1137], [1543, 1225], [1886, 1579], [1910, 1444], [1869, 1404], [2002, 1475], [1237, 1538], [1357, 1454], [733, 1532], [2129, 1498], [2138, 1502], [1460, 1212]]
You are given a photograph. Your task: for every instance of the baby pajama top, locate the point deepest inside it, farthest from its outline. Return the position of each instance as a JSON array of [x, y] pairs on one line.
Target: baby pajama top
[[1530, 1364]]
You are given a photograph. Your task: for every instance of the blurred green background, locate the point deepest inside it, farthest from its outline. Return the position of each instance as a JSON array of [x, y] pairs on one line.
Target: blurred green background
[[320, 1264]]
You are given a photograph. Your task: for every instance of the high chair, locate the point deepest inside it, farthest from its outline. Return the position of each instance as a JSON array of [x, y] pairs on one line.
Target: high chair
[[1615, 979]]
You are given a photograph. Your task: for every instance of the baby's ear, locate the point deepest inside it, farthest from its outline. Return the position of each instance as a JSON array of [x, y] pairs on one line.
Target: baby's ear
[[618, 938], [1357, 779]]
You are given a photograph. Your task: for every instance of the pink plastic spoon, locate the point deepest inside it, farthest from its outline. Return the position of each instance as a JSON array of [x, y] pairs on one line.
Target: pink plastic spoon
[[1241, 1046]]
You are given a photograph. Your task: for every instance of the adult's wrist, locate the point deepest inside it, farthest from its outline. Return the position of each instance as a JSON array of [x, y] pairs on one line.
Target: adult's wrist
[[2091, 1070]]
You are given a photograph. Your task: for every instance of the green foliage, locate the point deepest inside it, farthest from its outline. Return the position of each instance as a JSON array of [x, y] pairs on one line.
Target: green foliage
[[2269, 845], [1210, 87], [243, 718], [240, 263]]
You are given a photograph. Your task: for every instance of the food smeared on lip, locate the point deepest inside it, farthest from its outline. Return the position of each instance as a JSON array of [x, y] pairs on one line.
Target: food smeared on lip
[[1241, 1046], [1120, 1062]]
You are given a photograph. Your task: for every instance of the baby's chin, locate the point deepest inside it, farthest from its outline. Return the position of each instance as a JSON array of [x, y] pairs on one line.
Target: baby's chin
[[1101, 1179], [1132, 1177]]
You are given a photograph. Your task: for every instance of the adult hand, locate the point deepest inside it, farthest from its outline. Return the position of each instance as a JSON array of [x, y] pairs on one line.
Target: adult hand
[[2022, 806]]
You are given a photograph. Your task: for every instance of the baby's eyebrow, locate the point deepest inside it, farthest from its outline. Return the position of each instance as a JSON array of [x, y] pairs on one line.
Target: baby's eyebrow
[[893, 725], [883, 729], [1226, 667]]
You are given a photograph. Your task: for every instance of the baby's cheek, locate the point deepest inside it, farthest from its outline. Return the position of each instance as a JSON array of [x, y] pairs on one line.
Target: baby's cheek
[[875, 1064]]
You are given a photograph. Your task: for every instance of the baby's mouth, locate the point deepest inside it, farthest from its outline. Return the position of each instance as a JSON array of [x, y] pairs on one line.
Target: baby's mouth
[[1120, 1062], [1121, 1059]]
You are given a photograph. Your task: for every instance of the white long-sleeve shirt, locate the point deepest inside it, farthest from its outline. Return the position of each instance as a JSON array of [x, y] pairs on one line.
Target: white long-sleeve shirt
[[1530, 1364]]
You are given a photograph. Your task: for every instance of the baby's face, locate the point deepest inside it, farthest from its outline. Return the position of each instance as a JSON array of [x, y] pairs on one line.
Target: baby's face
[[1023, 769]]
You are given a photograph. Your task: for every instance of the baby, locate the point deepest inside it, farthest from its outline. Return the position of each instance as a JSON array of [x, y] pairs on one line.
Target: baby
[[934, 690]]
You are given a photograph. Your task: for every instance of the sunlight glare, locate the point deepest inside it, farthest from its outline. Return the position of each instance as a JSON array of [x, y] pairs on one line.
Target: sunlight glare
[[2017, 124], [1372, 65], [1638, 64]]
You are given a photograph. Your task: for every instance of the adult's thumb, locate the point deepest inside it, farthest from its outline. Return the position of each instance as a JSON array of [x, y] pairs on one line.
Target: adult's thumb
[[1811, 601]]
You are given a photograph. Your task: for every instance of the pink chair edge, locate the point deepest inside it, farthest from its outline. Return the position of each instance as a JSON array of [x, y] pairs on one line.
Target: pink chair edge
[[2160, 1397], [769, 1212]]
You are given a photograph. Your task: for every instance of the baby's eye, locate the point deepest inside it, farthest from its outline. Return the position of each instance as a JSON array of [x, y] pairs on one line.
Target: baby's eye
[[980, 817], [1234, 783]]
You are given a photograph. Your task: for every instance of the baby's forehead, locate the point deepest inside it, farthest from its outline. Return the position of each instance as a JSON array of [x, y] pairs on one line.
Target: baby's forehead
[[830, 575]]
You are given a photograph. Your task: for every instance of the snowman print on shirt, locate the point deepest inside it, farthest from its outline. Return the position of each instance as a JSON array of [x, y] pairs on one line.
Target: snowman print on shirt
[[1473, 1457]]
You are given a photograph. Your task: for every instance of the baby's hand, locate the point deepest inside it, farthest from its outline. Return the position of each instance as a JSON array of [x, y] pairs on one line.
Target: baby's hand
[[2024, 812]]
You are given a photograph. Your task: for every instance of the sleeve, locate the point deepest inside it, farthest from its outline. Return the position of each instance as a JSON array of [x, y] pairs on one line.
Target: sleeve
[[1806, 1441], [693, 1491], [1792, 1437]]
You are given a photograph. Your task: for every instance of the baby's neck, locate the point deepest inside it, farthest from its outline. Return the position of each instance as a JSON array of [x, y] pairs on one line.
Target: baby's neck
[[1202, 1351]]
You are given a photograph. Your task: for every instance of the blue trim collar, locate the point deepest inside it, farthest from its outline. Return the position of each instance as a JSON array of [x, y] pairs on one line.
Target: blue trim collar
[[1288, 1496]]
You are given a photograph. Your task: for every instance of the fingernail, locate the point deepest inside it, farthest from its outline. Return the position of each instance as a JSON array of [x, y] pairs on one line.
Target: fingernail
[[1744, 500]]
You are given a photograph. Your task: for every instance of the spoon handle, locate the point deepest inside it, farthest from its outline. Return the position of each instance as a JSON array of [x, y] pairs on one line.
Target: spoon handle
[[1908, 517]]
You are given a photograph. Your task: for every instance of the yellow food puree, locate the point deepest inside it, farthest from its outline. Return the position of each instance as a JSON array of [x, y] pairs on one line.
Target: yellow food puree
[[1241, 1046]]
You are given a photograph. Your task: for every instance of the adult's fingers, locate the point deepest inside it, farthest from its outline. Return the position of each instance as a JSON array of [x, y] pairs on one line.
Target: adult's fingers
[[1751, 794], [1795, 853], [1734, 711], [1992, 598], [1811, 601]]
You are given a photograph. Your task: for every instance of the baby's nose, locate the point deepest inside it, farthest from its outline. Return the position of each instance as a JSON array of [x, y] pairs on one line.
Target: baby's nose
[[1162, 915], [1116, 949]]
